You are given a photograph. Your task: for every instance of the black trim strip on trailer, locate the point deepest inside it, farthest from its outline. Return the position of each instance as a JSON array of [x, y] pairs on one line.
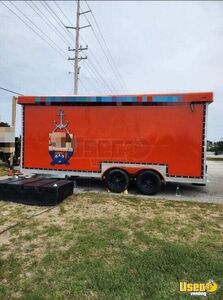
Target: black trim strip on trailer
[[203, 141], [23, 133]]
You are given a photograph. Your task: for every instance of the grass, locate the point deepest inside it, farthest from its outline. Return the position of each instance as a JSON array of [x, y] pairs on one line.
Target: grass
[[3, 169], [98, 246], [215, 158]]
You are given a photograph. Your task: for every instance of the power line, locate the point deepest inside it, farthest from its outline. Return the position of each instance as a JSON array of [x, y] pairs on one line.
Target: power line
[[62, 23], [83, 85], [104, 52], [91, 81], [56, 18], [62, 12], [92, 67], [31, 28], [99, 30], [10, 91], [37, 33], [98, 64], [47, 21], [77, 48], [59, 21], [59, 49], [94, 81]]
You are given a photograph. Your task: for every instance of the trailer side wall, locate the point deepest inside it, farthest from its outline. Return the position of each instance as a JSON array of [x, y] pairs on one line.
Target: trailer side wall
[[170, 135]]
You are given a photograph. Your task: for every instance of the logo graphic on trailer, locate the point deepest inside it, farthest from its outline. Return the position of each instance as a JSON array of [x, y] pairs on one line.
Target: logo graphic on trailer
[[61, 143]]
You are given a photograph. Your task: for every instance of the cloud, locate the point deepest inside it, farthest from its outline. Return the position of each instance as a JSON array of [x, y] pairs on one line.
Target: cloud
[[158, 46]]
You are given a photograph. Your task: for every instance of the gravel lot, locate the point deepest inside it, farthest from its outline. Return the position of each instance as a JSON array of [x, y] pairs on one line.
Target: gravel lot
[[212, 192]]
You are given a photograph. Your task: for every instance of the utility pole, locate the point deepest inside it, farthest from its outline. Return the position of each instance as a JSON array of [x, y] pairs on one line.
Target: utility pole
[[77, 48], [76, 60], [14, 102]]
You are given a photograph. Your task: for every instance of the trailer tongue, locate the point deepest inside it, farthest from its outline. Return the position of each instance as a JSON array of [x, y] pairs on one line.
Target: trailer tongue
[[152, 138]]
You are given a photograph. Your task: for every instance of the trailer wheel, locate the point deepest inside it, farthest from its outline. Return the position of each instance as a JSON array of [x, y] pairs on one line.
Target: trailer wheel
[[117, 180], [148, 182]]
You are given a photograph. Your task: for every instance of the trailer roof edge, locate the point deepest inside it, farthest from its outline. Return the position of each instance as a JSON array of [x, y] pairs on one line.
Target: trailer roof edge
[[205, 97]]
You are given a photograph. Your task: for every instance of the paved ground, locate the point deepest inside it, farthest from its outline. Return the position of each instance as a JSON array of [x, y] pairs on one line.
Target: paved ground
[[212, 155], [212, 192]]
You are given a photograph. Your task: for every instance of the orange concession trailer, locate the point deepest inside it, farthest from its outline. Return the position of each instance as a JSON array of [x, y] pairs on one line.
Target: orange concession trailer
[[153, 138]]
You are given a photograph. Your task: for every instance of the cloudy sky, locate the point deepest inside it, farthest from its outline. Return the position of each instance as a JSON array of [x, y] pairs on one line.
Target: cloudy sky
[[156, 46]]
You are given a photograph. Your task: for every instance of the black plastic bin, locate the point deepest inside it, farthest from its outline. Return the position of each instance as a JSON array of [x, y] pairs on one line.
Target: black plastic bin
[[15, 188], [4, 188], [32, 191]]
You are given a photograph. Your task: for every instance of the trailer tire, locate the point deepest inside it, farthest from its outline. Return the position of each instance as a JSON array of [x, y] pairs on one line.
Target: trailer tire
[[148, 182], [117, 180]]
